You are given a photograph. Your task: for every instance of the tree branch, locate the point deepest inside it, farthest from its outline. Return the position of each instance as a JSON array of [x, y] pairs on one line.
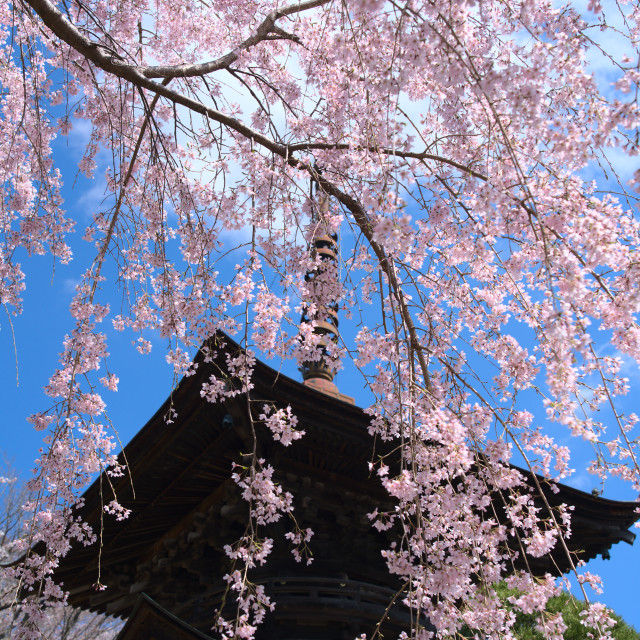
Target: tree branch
[[417, 155], [140, 76], [263, 32], [109, 61]]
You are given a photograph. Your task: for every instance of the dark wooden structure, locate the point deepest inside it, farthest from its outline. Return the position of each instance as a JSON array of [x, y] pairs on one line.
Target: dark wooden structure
[[186, 508]]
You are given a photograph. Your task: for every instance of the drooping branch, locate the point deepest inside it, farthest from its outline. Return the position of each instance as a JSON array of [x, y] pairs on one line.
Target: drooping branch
[[362, 220]]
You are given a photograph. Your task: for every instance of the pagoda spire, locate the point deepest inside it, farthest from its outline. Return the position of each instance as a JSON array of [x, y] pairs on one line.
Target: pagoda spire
[[319, 374]]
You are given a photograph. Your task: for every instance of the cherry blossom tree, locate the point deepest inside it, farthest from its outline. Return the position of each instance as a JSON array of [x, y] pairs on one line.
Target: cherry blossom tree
[[61, 623], [489, 246]]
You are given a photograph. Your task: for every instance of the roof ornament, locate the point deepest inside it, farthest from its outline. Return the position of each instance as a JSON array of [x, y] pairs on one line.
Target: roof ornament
[[319, 374]]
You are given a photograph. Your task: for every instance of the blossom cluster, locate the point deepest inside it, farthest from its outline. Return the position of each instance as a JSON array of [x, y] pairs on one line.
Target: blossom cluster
[[267, 500], [282, 424]]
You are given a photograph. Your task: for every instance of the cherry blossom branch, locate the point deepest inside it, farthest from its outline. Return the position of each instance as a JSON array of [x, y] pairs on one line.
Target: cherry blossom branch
[[142, 77], [267, 30], [109, 61], [363, 222], [409, 155], [95, 53]]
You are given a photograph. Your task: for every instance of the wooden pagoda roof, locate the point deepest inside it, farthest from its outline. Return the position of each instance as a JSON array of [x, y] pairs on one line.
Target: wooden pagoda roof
[[180, 473]]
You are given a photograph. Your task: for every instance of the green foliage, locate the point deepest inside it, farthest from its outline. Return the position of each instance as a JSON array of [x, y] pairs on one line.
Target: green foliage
[[570, 607]]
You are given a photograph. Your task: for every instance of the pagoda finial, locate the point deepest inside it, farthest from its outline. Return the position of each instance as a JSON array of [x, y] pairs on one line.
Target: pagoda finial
[[319, 374]]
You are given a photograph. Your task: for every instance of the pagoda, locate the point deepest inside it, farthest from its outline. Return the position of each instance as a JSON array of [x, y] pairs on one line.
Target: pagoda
[[186, 509], [164, 566]]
